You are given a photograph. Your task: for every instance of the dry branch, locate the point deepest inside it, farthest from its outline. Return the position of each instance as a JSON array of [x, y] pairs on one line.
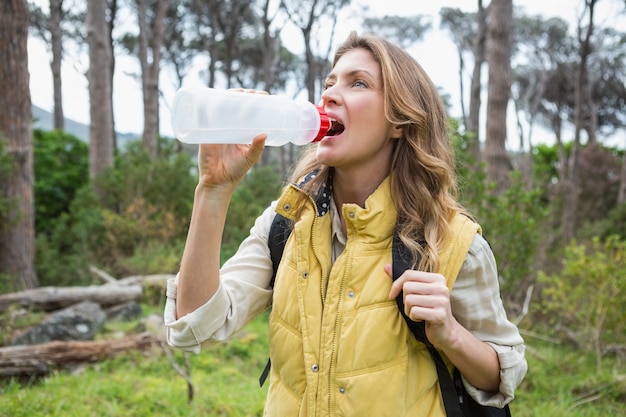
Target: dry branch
[[54, 298], [29, 360]]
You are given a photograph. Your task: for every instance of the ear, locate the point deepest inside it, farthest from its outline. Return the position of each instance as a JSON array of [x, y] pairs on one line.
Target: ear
[[397, 132]]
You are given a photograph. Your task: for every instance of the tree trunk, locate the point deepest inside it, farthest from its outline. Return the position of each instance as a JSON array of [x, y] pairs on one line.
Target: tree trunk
[[17, 228], [150, 43], [54, 298], [569, 219], [499, 47], [473, 121], [621, 195], [112, 13], [56, 36], [30, 360], [101, 136]]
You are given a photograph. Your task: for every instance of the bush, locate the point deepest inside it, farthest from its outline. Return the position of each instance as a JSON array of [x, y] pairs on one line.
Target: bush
[[260, 187], [139, 226], [509, 220], [587, 300], [61, 167], [66, 251], [146, 210]]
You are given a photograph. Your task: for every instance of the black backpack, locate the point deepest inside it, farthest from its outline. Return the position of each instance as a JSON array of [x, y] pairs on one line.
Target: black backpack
[[456, 400]]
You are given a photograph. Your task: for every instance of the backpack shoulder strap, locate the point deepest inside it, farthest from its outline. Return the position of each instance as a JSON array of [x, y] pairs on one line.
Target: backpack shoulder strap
[[457, 402], [279, 233], [462, 233]]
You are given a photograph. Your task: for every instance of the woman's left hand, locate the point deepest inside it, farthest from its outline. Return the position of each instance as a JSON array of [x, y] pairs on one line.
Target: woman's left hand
[[426, 297]]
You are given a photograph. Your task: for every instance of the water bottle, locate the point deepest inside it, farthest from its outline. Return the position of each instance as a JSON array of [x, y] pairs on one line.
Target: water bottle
[[207, 115]]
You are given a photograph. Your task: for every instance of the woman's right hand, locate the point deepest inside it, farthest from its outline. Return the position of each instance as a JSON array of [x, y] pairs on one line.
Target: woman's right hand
[[224, 166]]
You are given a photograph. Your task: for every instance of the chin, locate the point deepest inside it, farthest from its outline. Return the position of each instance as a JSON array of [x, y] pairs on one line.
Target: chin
[[325, 155]]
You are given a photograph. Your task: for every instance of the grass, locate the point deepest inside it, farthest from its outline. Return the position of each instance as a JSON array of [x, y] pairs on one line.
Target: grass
[[560, 382]]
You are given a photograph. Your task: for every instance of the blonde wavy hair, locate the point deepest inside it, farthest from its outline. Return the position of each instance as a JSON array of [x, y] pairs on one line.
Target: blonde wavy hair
[[423, 182]]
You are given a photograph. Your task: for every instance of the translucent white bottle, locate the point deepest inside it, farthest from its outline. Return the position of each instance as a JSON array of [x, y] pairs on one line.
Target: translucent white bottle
[[207, 115]]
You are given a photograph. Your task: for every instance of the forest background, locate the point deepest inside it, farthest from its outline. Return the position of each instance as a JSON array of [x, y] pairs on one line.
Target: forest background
[[554, 212]]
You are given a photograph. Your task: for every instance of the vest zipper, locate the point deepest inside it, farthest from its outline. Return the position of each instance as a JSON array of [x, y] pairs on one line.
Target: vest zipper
[[333, 357]]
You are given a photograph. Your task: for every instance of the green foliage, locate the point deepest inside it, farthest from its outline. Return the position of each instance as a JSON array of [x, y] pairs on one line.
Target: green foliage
[[614, 223], [252, 196], [66, 214], [136, 222], [65, 252], [139, 227], [165, 181], [588, 298], [225, 379], [61, 167], [145, 212], [545, 164], [509, 221], [560, 382]]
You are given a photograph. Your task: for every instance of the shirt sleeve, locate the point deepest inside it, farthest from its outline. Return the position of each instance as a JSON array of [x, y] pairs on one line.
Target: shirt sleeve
[[243, 293], [477, 305]]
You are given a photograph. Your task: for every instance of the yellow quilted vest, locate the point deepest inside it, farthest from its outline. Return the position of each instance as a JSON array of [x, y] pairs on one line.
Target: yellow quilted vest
[[338, 344]]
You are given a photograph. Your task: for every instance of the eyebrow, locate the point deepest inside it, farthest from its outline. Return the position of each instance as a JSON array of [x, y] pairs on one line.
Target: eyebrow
[[352, 73]]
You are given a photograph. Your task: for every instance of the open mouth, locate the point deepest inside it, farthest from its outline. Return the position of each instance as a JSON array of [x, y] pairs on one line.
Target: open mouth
[[336, 128]]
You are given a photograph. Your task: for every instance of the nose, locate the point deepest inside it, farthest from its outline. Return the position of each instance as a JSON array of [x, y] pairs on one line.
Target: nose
[[330, 95]]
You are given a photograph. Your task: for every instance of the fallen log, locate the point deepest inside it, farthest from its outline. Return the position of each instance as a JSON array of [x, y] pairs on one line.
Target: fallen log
[[39, 360], [54, 298]]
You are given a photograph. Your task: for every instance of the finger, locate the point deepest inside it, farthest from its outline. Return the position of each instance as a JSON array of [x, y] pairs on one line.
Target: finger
[[396, 287], [257, 146]]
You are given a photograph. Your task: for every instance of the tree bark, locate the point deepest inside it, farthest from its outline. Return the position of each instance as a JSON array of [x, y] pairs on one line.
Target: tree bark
[[569, 219], [29, 360], [56, 37], [54, 298], [473, 121], [150, 43], [101, 136], [112, 13], [499, 48], [17, 228]]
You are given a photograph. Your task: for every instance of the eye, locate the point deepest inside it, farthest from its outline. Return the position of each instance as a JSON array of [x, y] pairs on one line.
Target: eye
[[327, 86], [360, 84]]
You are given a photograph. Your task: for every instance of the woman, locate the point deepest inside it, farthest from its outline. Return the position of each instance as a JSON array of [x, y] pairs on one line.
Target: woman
[[339, 346]]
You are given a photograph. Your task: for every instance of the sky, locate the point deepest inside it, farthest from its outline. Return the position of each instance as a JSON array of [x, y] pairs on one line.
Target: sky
[[436, 53]]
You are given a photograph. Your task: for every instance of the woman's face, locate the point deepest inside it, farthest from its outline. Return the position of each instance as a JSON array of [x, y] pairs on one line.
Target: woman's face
[[361, 139]]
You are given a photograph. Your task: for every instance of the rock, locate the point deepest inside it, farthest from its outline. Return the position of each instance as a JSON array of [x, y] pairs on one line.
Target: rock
[[124, 312], [78, 322]]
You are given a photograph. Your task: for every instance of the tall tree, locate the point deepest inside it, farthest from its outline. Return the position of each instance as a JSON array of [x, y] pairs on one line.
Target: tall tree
[[621, 195], [469, 31], [17, 229], [582, 107], [56, 36], [48, 27], [151, 16], [101, 134], [308, 17], [112, 8], [499, 50]]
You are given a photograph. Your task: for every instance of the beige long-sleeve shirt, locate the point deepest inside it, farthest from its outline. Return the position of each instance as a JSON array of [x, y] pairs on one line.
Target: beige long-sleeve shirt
[[243, 294]]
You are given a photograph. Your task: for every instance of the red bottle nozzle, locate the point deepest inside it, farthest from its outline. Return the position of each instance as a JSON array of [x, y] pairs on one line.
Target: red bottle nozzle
[[324, 124]]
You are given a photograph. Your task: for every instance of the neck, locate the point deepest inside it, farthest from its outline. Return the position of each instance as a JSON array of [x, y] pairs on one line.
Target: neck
[[355, 188]]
